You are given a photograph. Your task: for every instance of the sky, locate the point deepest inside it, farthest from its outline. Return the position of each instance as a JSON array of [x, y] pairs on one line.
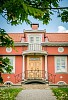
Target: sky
[[55, 25]]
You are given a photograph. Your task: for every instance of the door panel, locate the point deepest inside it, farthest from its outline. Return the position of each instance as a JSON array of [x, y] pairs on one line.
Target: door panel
[[34, 67]]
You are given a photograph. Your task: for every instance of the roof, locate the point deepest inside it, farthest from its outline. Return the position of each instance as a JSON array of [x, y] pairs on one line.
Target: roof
[[52, 37], [16, 36], [57, 37]]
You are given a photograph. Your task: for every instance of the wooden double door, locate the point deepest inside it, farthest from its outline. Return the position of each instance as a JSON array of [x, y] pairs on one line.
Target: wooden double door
[[34, 67]]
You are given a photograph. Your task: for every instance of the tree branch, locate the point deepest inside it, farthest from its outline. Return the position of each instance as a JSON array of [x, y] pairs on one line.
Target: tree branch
[[55, 8]]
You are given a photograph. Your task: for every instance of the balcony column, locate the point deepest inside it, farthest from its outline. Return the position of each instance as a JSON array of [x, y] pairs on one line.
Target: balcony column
[[23, 69], [46, 74]]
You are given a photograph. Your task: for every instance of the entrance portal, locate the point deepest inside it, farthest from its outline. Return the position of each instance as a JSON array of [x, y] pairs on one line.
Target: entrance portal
[[34, 67]]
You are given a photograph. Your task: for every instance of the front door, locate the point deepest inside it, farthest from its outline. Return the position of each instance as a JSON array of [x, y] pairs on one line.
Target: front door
[[34, 67]]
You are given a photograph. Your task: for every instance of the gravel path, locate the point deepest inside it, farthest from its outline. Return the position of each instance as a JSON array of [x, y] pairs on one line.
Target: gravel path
[[36, 94]]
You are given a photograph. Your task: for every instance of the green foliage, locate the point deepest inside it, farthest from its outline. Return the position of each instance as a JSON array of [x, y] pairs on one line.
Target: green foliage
[[9, 94], [5, 65], [61, 93], [17, 11], [64, 16], [5, 40], [1, 80]]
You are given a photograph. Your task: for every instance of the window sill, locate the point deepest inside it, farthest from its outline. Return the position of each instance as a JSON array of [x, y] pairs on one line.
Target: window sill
[[8, 73], [61, 72]]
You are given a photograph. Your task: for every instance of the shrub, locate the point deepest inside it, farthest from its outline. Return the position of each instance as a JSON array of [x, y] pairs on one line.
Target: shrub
[[9, 94], [61, 93]]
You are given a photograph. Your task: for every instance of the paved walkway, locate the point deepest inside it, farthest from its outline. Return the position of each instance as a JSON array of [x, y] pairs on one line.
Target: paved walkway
[[36, 94]]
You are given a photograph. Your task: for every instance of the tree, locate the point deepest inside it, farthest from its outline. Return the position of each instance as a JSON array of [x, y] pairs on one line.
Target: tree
[[18, 11], [5, 65]]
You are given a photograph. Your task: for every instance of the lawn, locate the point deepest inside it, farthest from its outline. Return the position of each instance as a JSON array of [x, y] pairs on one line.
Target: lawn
[[9, 93], [61, 93]]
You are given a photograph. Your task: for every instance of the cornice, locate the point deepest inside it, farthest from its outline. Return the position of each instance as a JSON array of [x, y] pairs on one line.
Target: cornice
[[54, 43], [43, 44], [21, 44], [34, 31]]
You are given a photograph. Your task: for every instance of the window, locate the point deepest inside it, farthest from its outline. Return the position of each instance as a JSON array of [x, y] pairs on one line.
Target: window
[[60, 49], [8, 49], [37, 39], [34, 41], [61, 83], [34, 59], [31, 39], [12, 62], [61, 64]]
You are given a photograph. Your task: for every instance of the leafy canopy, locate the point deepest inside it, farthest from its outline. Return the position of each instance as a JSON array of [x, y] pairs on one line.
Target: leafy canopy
[[18, 11]]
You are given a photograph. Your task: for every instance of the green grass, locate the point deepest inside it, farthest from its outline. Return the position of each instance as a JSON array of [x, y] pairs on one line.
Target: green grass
[[61, 93], [9, 93]]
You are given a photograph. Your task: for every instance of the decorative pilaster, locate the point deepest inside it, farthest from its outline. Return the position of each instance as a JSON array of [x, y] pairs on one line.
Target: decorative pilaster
[[23, 69], [46, 74]]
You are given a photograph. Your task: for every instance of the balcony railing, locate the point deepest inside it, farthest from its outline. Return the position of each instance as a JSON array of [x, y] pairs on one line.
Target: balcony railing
[[35, 47], [35, 74]]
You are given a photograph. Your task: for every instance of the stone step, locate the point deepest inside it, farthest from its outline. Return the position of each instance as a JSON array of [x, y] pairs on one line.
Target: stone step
[[33, 81]]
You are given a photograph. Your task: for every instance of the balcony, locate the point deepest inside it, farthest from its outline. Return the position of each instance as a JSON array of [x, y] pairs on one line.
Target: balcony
[[35, 47]]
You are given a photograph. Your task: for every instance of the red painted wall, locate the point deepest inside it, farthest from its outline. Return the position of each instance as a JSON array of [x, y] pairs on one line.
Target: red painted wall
[[18, 69], [16, 51], [51, 69], [54, 50]]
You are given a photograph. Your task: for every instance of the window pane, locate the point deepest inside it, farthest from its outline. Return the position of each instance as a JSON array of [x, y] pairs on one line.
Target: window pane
[[31, 39], [11, 61], [58, 67], [61, 64], [38, 39]]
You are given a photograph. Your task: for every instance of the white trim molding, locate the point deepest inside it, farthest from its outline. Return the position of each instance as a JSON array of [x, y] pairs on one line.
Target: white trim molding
[[23, 68], [8, 82], [46, 70], [60, 49], [61, 83], [8, 49], [60, 64]]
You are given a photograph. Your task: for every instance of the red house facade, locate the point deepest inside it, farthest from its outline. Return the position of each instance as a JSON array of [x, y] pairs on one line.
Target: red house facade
[[37, 56]]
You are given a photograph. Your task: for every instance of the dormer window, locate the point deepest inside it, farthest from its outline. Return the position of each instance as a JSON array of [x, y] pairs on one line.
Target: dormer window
[[38, 39], [34, 38], [31, 39], [35, 41]]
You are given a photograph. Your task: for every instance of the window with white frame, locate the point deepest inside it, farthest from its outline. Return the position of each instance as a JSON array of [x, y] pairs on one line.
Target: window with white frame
[[35, 38], [12, 62], [31, 39], [35, 41], [60, 64], [38, 39]]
